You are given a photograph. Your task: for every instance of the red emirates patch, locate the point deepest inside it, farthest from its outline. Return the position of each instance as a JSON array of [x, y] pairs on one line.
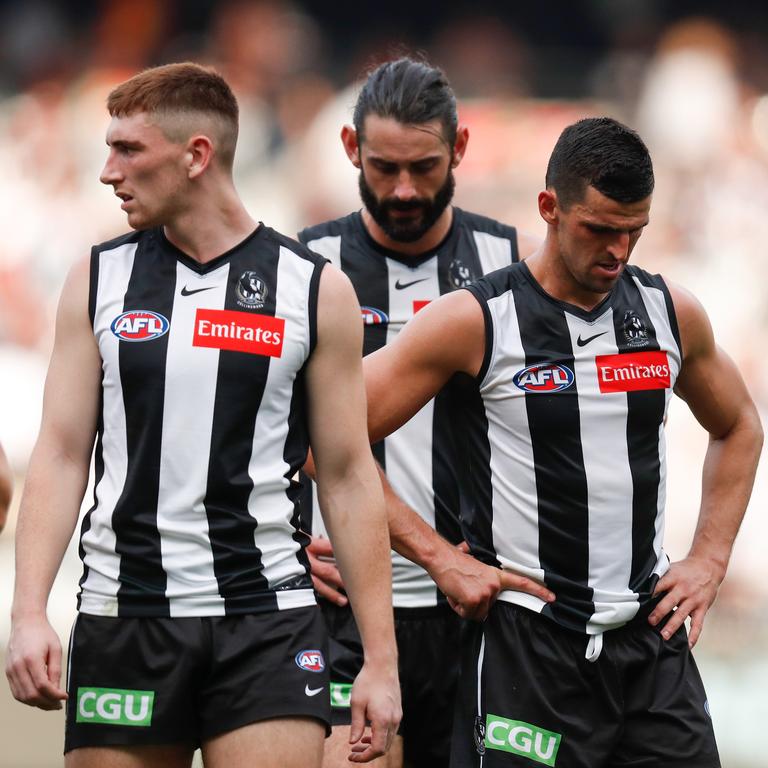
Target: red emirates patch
[[633, 371], [239, 332]]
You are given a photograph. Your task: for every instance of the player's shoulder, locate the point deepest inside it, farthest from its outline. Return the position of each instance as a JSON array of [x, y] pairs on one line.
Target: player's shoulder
[[290, 246], [135, 236], [484, 224], [645, 278], [500, 281], [345, 226]]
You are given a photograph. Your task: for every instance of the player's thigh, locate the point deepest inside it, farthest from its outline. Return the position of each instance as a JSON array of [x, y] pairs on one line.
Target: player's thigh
[[173, 756], [337, 750], [291, 742]]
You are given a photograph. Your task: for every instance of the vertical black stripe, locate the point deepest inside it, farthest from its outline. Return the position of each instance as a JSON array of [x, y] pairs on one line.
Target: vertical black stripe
[[645, 413], [93, 285], [142, 373], [98, 460], [561, 482], [370, 279], [241, 381], [294, 455], [475, 453]]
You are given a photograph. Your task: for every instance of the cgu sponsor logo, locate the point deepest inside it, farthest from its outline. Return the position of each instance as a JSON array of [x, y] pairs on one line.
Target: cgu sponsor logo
[[544, 377], [633, 371], [373, 316], [239, 332], [311, 660], [139, 325], [114, 706], [341, 695], [524, 739]]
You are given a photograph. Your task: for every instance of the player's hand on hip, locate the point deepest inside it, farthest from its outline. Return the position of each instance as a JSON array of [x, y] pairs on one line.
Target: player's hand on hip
[[325, 575], [472, 587], [689, 588], [33, 664], [375, 700]]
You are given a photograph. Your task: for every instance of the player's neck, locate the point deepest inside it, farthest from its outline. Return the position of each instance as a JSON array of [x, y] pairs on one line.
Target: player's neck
[[206, 233], [555, 280], [429, 241]]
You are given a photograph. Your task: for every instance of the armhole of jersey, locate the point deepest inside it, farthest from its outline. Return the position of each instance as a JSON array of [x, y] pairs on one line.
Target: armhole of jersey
[[314, 291], [93, 285], [672, 315], [515, 254], [488, 322]]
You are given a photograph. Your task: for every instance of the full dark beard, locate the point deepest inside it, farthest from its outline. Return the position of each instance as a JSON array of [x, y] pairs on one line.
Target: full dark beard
[[411, 230]]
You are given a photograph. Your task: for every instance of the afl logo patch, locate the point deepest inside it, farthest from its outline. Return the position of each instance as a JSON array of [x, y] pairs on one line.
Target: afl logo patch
[[544, 377], [311, 660], [373, 316], [139, 325]]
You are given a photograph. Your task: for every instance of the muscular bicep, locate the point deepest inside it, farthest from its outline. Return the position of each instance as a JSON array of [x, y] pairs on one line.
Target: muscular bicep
[[335, 391], [444, 338], [709, 380], [71, 399]]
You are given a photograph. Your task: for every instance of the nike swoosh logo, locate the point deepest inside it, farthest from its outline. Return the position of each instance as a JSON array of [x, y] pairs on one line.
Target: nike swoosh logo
[[186, 292], [583, 342], [312, 691], [400, 285]]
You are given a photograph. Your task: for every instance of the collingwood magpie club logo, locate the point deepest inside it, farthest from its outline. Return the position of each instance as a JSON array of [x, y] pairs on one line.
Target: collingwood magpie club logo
[[635, 330], [460, 274], [479, 735], [251, 291]]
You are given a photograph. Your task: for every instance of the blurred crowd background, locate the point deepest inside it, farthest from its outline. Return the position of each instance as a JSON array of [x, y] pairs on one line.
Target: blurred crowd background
[[691, 77]]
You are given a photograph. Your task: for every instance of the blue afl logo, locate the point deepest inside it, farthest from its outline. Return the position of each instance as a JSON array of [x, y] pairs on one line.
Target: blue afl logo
[[373, 316], [544, 377], [311, 660], [139, 325]]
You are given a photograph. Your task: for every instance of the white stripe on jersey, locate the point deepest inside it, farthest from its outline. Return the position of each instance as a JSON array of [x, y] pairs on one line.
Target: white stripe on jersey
[[494, 252], [329, 247], [267, 468], [656, 307], [515, 533], [609, 493], [99, 589], [182, 520], [408, 451]]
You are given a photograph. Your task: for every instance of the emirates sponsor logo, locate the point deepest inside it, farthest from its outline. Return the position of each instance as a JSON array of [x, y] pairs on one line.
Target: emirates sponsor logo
[[239, 332], [633, 371]]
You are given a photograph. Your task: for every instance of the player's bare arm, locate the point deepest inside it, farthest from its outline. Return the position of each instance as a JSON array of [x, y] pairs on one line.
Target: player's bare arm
[[6, 487], [352, 504], [56, 481], [400, 378], [715, 392]]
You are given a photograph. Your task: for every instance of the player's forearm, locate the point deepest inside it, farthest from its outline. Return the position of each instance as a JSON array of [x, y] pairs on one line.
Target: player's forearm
[[47, 517], [728, 476], [410, 535], [353, 511]]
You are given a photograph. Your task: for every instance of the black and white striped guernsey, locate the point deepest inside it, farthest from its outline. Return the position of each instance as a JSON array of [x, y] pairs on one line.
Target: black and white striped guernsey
[[565, 430], [202, 423], [420, 459]]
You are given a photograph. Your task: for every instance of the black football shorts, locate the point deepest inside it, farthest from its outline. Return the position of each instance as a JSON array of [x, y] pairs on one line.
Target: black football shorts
[[138, 681], [428, 664], [528, 697]]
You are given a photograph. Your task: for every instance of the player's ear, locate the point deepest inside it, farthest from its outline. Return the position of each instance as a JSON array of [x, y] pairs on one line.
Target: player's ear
[[460, 145], [199, 153], [351, 144], [548, 206]]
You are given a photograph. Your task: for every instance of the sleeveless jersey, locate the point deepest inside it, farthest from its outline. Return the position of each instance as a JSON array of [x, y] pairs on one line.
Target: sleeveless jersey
[[420, 459], [565, 431], [202, 425]]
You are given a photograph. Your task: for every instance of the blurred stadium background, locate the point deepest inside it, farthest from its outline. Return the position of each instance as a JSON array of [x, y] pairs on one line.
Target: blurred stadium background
[[692, 77]]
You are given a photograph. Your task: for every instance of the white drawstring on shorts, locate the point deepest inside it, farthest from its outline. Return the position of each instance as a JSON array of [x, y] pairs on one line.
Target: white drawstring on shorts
[[594, 647]]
